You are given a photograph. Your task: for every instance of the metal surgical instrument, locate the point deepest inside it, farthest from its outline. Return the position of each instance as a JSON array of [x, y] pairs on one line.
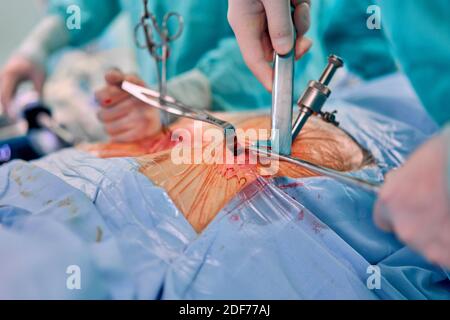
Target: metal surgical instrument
[[170, 105], [311, 102], [315, 96], [282, 100], [372, 186], [157, 39], [313, 99]]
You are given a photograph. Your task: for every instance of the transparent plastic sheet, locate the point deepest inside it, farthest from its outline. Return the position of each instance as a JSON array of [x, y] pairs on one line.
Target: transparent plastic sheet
[[167, 259], [261, 245], [270, 247], [149, 230], [391, 125]]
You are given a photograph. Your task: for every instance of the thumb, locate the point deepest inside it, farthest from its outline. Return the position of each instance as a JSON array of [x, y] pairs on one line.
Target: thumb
[[133, 78], [281, 26]]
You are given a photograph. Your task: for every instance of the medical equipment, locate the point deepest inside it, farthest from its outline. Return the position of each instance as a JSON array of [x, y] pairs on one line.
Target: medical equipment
[[316, 95], [283, 132], [157, 41], [311, 102], [27, 105], [282, 99], [337, 175], [172, 106], [40, 117]]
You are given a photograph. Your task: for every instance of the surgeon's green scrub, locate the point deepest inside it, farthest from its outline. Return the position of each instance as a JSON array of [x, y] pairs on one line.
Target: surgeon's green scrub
[[367, 52], [419, 32], [420, 35], [207, 45]]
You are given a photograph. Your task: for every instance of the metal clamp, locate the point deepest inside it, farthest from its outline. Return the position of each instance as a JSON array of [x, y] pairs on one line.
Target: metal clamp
[[315, 96]]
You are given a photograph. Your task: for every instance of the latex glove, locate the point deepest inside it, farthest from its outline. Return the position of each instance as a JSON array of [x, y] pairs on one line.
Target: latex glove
[[28, 63], [17, 70], [126, 119], [414, 202], [262, 26]]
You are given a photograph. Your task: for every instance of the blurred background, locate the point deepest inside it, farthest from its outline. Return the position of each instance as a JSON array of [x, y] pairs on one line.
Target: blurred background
[[71, 73], [17, 19]]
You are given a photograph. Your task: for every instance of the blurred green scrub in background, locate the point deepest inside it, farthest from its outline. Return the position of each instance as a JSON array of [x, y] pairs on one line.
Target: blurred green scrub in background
[[206, 59]]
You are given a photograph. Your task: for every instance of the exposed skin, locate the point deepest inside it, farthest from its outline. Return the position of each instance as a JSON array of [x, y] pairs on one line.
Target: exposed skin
[[415, 204], [125, 118], [192, 186], [17, 70], [265, 26]]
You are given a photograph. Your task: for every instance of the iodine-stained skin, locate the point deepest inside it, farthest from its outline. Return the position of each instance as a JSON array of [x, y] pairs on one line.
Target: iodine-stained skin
[[200, 190]]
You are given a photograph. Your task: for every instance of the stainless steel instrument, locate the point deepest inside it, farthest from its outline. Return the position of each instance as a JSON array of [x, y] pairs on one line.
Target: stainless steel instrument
[[170, 105], [372, 186]]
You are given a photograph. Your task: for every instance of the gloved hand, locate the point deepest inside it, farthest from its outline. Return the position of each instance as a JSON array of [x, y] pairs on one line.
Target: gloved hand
[[262, 26], [125, 118], [28, 63], [17, 70], [415, 204]]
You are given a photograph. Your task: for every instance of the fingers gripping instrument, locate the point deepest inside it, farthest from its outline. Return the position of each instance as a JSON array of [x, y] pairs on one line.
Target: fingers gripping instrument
[[169, 105], [311, 102]]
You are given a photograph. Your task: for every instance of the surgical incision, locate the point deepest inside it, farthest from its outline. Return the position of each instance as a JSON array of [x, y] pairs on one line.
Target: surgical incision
[[200, 189]]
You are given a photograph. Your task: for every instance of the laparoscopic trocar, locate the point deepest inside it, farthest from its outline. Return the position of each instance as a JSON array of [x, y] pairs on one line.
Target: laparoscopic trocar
[[157, 39]]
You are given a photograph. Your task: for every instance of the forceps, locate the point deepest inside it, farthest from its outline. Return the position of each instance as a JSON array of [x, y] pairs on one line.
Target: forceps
[[157, 39], [172, 106]]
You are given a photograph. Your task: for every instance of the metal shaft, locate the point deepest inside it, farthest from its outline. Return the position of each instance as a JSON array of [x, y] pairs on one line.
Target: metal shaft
[[282, 101], [334, 63], [373, 186], [316, 95]]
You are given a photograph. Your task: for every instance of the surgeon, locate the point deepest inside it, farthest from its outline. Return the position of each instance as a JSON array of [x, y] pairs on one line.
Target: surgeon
[[205, 67], [415, 200]]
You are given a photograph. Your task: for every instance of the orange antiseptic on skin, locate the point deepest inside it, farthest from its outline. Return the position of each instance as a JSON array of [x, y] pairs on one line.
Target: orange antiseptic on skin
[[119, 150], [201, 190]]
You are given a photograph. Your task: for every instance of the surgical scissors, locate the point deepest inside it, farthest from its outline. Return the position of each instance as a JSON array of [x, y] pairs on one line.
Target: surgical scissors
[[157, 39]]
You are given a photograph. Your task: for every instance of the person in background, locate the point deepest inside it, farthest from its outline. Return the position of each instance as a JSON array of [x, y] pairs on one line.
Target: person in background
[[205, 68], [415, 200]]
